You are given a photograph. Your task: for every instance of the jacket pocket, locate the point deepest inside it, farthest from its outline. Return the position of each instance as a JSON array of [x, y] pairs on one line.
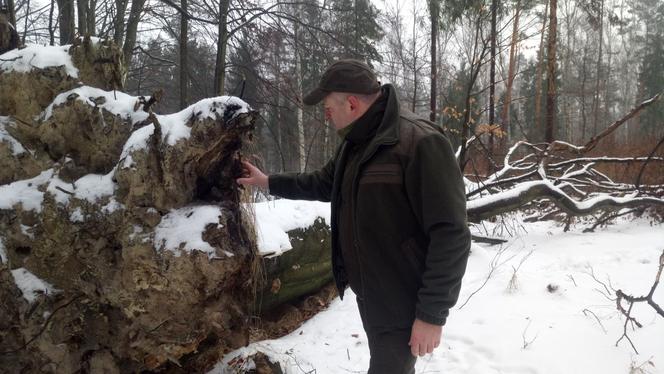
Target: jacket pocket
[[382, 173]]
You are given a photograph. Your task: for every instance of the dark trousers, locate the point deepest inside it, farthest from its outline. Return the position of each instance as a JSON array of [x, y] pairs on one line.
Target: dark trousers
[[389, 349]]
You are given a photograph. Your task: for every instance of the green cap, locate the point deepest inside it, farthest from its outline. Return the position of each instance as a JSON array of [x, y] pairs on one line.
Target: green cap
[[350, 76]]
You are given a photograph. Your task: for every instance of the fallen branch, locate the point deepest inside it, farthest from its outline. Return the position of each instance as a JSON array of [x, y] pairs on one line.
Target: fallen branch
[[510, 200], [632, 300]]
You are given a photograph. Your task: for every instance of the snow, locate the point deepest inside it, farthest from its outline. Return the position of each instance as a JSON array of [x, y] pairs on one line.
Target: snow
[[116, 102], [514, 324], [30, 285], [275, 218], [14, 145], [181, 230], [25, 192], [174, 126], [76, 215], [35, 56], [3, 253], [92, 187]]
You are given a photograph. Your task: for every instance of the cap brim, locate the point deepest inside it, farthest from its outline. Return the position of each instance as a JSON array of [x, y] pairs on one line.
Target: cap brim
[[314, 97]]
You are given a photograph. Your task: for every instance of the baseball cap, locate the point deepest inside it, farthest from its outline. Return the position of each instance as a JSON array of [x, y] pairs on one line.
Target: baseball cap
[[346, 75]]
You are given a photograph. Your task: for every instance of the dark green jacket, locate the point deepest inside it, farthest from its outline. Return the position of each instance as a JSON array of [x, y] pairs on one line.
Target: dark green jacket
[[411, 235]]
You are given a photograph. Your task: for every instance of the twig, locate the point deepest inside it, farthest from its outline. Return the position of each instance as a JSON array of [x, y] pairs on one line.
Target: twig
[[43, 328], [596, 318], [526, 343]]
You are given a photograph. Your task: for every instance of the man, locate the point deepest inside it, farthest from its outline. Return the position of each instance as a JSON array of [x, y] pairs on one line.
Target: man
[[399, 232]]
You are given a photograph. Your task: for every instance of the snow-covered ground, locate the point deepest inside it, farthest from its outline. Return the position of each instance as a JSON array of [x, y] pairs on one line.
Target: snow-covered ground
[[549, 317]]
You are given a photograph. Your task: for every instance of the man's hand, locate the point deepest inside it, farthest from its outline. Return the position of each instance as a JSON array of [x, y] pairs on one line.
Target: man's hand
[[424, 338], [252, 176]]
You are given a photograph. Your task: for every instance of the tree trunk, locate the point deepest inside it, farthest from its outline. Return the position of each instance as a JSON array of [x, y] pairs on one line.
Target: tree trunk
[[539, 73], [66, 15], [118, 22], [92, 18], [414, 61], [298, 107], [11, 12], [551, 73], [434, 13], [51, 27], [492, 75], [183, 54], [220, 66], [512, 65], [132, 28], [82, 6], [598, 69], [584, 120]]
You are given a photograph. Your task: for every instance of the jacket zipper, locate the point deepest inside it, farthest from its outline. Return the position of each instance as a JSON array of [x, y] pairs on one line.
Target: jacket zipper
[[356, 245]]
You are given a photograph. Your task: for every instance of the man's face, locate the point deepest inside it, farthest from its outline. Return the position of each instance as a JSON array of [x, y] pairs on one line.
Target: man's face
[[339, 110]]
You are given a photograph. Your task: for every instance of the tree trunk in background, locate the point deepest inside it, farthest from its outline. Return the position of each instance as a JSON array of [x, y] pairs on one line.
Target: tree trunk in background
[[82, 6], [538, 75], [584, 120], [66, 15], [92, 18], [51, 27], [414, 62], [492, 76], [118, 22], [598, 70], [512, 65], [182, 71], [299, 112], [132, 28], [220, 66], [434, 11], [12, 12], [551, 73]]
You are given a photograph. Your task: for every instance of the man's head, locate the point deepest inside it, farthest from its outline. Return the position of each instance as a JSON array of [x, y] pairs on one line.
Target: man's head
[[347, 88]]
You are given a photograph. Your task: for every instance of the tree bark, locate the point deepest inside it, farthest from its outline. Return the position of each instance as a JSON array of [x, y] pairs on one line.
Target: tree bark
[[492, 75], [512, 65], [12, 12], [51, 27], [222, 41], [539, 73], [182, 71], [434, 10], [82, 7], [132, 28], [598, 69], [551, 73], [92, 18], [66, 16], [118, 22]]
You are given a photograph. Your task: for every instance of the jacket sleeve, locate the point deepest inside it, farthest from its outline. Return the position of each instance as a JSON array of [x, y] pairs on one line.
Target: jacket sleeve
[[435, 189], [316, 185]]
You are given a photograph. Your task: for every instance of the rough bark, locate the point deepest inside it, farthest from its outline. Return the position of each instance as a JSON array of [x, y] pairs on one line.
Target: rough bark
[[182, 66], [132, 28], [551, 93], [434, 12], [66, 19], [222, 42], [124, 302]]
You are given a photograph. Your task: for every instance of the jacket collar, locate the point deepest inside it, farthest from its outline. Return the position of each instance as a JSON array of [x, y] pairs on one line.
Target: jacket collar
[[388, 130]]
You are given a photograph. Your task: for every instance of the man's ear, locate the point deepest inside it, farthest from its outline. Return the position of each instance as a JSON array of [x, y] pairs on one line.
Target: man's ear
[[354, 102]]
